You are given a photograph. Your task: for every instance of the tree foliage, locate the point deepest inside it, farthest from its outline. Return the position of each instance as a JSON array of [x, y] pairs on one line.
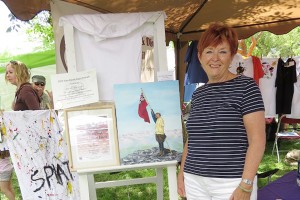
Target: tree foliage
[[271, 45], [15, 23], [41, 28], [38, 30]]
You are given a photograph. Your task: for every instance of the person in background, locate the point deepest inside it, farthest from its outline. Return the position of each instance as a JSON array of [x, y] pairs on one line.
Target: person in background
[[26, 98], [39, 83], [6, 169], [226, 126]]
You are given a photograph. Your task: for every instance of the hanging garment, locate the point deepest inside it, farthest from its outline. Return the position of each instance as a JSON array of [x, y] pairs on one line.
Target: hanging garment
[[295, 113], [285, 79], [267, 86], [194, 70], [257, 69], [147, 68], [250, 67], [236, 62], [241, 66]]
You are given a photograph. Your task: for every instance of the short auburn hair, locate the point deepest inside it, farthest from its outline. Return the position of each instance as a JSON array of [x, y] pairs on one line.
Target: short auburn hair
[[217, 33]]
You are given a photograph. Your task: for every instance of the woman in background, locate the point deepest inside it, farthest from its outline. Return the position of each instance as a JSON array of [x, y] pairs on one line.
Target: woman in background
[[26, 98]]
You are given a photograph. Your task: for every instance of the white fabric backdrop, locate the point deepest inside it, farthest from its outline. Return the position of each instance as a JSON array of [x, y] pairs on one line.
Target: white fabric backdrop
[[111, 44]]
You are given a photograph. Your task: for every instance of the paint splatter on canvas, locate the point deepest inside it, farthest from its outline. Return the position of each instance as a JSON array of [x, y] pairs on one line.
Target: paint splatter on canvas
[[39, 155]]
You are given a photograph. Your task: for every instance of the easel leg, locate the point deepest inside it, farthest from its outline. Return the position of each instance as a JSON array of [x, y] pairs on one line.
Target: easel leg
[[160, 184], [83, 187], [172, 181], [92, 189]]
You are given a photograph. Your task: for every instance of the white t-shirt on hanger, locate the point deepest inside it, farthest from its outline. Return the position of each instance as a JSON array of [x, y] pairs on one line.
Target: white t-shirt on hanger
[[245, 66], [111, 44], [267, 85]]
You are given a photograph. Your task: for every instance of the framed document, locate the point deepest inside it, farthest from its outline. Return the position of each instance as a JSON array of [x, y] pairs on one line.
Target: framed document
[[91, 135]]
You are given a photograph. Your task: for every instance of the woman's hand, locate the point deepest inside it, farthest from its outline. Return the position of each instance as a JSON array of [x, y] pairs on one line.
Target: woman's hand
[[238, 194], [180, 184]]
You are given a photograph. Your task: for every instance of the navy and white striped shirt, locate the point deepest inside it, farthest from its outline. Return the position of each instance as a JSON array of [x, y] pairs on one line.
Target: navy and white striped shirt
[[217, 139]]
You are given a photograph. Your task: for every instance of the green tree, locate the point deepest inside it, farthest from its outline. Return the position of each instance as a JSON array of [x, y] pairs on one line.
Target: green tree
[[41, 28], [271, 45], [15, 23]]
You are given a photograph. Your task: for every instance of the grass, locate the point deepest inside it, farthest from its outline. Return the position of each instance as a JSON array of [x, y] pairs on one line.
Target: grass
[[16, 187], [148, 191], [269, 161], [132, 192]]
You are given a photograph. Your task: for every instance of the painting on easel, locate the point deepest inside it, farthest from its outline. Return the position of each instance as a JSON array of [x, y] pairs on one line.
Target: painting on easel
[[149, 122]]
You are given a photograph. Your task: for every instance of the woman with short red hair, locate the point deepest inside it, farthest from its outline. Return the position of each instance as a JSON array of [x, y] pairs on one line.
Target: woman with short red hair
[[226, 126]]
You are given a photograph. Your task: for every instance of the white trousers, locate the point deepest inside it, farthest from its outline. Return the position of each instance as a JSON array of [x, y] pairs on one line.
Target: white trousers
[[206, 188]]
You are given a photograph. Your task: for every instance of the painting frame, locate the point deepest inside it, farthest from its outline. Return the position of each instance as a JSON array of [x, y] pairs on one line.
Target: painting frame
[[91, 135]]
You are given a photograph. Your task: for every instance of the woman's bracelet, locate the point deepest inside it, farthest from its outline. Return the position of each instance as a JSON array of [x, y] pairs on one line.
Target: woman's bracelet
[[245, 190]]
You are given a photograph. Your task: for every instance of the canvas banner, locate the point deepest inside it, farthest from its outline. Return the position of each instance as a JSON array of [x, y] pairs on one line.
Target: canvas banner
[[39, 155]]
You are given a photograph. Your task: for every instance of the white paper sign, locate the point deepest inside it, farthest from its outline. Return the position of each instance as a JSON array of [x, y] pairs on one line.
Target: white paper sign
[[165, 76], [74, 89]]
